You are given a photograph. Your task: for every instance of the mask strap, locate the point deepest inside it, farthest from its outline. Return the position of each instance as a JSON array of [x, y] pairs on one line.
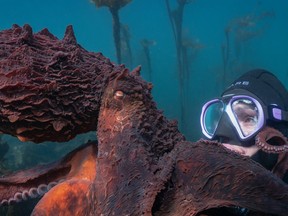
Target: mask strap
[[284, 115], [277, 113], [268, 135]]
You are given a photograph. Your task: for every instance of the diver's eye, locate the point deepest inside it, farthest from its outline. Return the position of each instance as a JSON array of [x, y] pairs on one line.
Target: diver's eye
[[118, 94]]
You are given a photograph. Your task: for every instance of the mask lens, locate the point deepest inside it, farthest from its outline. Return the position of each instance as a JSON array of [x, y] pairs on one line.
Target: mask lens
[[247, 116], [212, 116]]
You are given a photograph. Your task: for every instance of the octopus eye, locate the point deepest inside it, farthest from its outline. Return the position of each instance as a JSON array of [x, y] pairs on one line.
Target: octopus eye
[[118, 94]]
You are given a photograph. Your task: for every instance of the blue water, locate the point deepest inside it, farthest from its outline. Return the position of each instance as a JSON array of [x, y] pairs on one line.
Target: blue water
[[204, 21]]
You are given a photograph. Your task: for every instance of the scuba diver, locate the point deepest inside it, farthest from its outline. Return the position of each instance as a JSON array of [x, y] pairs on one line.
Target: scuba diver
[[251, 118]]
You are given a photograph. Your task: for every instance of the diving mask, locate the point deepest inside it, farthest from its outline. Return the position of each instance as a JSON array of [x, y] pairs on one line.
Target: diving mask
[[246, 113]]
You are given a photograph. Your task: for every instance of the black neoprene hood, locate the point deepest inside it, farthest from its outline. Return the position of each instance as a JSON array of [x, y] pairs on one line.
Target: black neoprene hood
[[264, 85]]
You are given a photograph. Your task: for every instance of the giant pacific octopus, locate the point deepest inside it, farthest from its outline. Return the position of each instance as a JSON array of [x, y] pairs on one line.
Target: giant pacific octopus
[[53, 89]]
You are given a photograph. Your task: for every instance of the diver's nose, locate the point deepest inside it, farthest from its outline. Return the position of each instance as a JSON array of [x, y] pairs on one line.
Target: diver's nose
[[225, 131]]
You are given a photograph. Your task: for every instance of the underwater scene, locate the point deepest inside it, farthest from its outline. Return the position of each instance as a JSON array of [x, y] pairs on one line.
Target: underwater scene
[[190, 50]]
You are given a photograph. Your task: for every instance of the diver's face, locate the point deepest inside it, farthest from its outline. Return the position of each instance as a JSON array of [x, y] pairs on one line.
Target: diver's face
[[247, 118], [235, 121]]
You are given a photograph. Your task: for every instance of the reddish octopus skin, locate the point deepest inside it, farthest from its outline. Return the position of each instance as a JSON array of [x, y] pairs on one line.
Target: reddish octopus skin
[[142, 164], [77, 166], [49, 88]]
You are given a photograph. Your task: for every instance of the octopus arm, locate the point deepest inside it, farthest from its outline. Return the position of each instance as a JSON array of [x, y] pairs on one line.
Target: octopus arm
[[35, 182], [31, 183], [209, 176]]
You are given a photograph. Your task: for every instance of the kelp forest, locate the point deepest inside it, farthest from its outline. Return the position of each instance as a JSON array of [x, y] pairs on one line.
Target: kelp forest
[[188, 47]]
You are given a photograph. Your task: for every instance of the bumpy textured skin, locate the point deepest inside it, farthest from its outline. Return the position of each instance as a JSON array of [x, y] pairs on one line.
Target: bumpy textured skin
[[142, 164], [49, 88]]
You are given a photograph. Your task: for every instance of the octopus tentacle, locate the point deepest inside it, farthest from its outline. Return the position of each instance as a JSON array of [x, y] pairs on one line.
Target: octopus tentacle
[[14, 188], [32, 193], [267, 135], [35, 182]]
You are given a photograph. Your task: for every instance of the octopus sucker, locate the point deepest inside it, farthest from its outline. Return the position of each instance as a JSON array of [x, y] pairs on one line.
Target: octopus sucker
[[25, 195], [4, 202], [18, 196], [42, 189], [32, 193], [266, 135], [51, 184]]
